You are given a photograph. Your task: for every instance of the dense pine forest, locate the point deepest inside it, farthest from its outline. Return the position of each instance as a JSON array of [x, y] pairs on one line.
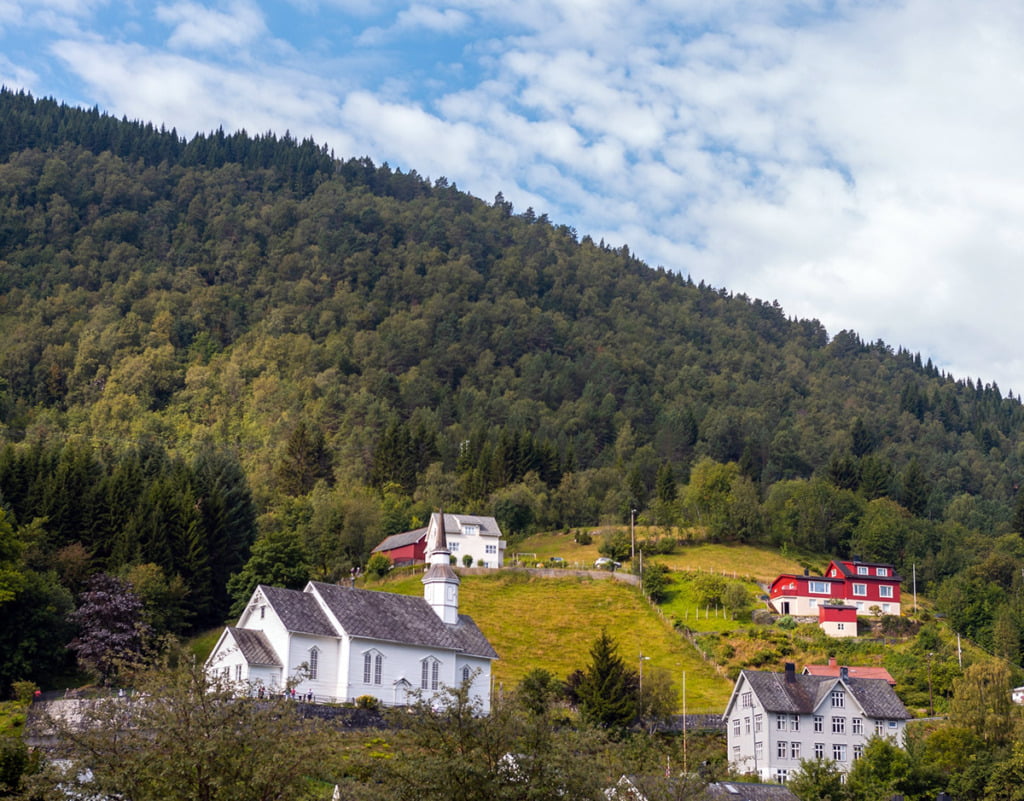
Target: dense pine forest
[[238, 357]]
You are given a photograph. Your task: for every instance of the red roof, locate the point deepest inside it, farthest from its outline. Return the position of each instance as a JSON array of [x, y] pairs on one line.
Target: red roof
[[832, 669]]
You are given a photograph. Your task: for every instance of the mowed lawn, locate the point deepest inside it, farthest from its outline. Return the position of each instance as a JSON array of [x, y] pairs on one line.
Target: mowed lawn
[[552, 623]]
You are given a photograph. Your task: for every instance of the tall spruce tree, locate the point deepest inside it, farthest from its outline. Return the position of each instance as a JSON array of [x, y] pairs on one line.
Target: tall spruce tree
[[607, 692]]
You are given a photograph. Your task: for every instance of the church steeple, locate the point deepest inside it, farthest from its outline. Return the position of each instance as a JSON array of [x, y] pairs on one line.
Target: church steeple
[[440, 582]]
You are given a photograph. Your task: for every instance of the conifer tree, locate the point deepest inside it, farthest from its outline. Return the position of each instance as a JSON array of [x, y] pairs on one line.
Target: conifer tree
[[607, 691]]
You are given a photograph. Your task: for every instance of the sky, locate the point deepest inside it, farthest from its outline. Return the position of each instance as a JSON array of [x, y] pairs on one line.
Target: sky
[[862, 163]]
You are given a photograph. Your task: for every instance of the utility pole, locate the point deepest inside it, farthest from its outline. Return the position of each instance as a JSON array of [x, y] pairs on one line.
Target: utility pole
[[684, 723], [632, 534]]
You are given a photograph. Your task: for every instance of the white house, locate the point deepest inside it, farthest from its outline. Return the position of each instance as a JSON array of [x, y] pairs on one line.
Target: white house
[[340, 643], [774, 720], [475, 536]]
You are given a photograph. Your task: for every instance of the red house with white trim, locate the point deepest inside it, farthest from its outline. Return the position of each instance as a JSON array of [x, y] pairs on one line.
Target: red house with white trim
[[871, 587]]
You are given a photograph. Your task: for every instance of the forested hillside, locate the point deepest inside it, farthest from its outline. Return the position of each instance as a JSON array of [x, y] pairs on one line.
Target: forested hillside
[[241, 340]]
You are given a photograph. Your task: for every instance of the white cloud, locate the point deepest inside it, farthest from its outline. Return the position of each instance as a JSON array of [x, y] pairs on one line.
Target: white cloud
[[201, 28]]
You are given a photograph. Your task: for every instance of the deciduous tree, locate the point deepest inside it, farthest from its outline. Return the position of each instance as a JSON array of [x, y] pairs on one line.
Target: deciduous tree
[[185, 735]]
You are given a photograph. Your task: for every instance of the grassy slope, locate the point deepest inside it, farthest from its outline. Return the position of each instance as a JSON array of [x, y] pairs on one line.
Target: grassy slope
[[552, 623]]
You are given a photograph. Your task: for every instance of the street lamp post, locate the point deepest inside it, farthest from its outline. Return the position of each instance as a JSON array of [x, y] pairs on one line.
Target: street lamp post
[[641, 693]]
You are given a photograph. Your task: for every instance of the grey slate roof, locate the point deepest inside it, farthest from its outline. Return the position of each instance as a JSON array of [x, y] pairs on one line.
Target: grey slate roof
[[471, 639], [299, 611], [401, 619], [804, 694], [748, 791], [454, 522], [684, 787], [255, 647]]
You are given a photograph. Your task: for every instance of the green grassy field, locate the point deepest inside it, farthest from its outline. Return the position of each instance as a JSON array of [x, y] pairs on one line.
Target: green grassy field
[[682, 606], [552, 623]]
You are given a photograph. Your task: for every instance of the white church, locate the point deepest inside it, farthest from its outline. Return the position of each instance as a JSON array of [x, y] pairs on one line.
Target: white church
[[340, 643]]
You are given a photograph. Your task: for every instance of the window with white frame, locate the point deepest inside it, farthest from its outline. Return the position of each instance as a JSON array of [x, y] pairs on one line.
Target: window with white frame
[[238, 672], [858, 751], [819, 587], [780, 723], [759, 751], [736, 727], [226, 672], [838, 699], [794, 750], [839, 752], [819, 723], [465, 673], [781, 774], [430, 673], [746, 725], [453, 546], [490, 548], [879, 727], [838, 725], [758, 724], [840, 626], [367, 667], [735, 753], [862, 570], [857, 726], [782, 749], [882, 571], [378, 668], [819, 750], [794, 723], [885, 591], [471, 530], [860, 589], [314, 662], [892, 724], [747, 699]]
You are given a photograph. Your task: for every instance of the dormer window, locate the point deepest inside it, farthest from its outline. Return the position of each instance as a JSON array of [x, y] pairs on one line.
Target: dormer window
[[470, 530], [862, 570], [882, 571]]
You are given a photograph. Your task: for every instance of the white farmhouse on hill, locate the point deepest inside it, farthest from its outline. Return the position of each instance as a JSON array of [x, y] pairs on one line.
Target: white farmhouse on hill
[[339, 643], [475, 536]]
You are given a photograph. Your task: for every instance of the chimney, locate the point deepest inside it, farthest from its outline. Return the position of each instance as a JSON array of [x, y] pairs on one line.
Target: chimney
[[831, 661], [790, 673], [844, 673]]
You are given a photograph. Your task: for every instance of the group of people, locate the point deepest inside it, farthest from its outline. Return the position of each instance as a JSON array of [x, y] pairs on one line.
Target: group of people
[[289, 692]]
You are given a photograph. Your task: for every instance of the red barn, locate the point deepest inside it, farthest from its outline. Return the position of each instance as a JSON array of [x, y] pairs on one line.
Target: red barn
[[407, 548]]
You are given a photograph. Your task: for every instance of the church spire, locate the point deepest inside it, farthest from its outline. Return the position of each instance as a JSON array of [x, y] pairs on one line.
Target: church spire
[[440, 582]]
